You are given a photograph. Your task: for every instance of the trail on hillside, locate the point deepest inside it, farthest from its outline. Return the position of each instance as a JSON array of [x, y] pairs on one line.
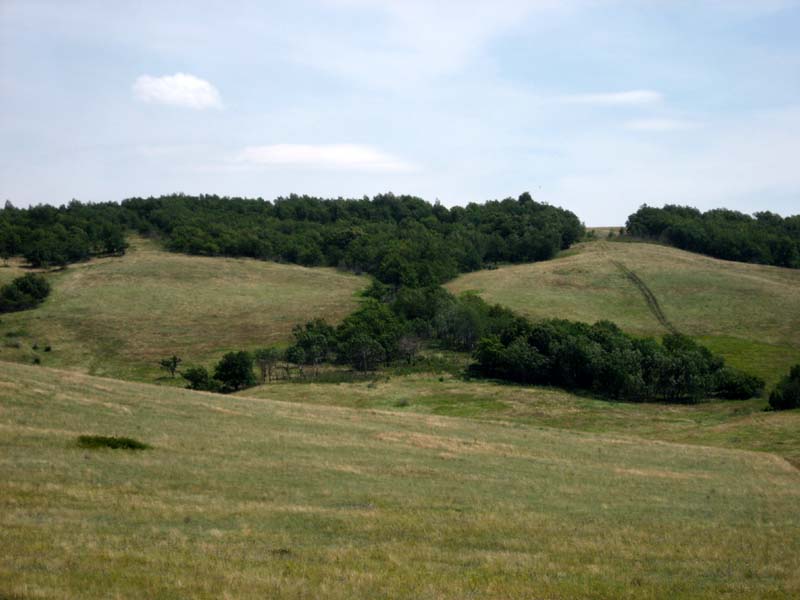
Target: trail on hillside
[[649, 296]]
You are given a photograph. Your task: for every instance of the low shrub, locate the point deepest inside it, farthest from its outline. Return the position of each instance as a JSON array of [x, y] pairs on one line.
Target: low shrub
[[113, 442], [786, 394]]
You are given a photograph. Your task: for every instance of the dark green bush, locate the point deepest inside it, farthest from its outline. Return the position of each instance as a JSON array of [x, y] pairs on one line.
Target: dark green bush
[[786, 394], [23, 293], [113, 442]]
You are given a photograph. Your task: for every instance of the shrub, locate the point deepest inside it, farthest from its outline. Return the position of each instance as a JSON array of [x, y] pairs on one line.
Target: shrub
[[23, 293], [200, 379], [786, 394], [736, 385], [113, 442]]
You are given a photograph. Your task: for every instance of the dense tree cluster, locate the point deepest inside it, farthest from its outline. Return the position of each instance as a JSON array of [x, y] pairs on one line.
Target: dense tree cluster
[[401, 240], [601, 359], [23, 293], [48, 236], [764, 238], [786, 394]]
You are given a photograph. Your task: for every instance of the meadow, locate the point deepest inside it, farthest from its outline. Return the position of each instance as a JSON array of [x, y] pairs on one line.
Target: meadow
[[252, 498], [118, 316], [748, 313]]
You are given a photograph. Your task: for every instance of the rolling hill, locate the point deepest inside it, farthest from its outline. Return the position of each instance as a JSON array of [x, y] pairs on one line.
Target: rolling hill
[[748, 313], [251, 498], [118, 316]]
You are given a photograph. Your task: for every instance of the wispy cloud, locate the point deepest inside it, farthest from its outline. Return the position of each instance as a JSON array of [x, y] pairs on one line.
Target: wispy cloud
[[626, 98], [346, 157], [660, 125], [180, 89]]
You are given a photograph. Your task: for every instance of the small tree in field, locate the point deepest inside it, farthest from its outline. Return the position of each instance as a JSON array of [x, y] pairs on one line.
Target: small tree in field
[[170, 364], [235, 371], [266, 359]]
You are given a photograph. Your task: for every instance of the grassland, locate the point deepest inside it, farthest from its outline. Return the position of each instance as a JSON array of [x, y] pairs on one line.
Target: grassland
[[748, 313], [118, 316], [251, 498], [740, 425]]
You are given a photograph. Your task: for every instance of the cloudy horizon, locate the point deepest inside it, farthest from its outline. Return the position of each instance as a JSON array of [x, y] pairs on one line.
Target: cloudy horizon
[[597, 106]]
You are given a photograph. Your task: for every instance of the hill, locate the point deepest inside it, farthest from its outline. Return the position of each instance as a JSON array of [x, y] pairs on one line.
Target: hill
[[118, 316], [748, 313], [254, 498]]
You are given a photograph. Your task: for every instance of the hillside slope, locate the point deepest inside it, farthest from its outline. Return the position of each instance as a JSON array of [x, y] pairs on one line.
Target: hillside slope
[[118, 316], [748, 313], [251, 498]]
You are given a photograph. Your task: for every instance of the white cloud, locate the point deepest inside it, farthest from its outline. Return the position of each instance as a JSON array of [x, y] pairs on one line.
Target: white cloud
[[180, 89], [660, 125], [627, 98], [347, 157]]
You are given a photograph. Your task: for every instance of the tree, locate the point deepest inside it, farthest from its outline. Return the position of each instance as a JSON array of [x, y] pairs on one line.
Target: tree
[[235, 371], [266, 359], [786, 394], [170, 364], [199, 379], [23, 293]]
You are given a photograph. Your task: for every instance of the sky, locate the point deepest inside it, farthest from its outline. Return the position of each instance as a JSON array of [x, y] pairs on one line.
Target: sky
[[598, 106]]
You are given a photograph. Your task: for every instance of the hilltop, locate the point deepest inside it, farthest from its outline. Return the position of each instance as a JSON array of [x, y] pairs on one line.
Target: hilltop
[[748, 313], [118, 316]]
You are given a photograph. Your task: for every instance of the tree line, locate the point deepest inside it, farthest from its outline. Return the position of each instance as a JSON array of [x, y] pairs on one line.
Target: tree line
[[400, 240], [47, 236], [391, 326], [764, 238]]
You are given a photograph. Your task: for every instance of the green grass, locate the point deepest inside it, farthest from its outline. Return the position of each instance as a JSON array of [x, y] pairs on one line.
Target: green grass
[[118, 316], [744, 425], [251, 498], [749, 313]]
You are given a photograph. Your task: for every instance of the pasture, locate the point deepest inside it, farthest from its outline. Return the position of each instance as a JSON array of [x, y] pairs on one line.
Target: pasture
[[252, 498]]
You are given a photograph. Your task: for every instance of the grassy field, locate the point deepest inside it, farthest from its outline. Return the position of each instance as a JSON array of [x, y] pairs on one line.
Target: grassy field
[[251, 498], [741, 425], [118, 316], [748, 313]]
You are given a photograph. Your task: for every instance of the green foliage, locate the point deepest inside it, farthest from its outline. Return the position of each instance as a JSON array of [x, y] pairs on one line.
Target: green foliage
[[786, 394], [601, 359], [94, 442], [267, 359], [170, 364], [23, 293], [764, 238], [235, 371], [198, 378], [401, 240], [48, 236]]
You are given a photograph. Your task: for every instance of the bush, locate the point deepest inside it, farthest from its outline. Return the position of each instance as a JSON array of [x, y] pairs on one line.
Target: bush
[[115, 443], [786, 394], [23, 293], [736, 385], [200, 379]]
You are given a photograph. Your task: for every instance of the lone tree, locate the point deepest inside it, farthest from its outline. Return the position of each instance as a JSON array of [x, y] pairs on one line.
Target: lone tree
[[266, 359], [235, 371], [170, 364]]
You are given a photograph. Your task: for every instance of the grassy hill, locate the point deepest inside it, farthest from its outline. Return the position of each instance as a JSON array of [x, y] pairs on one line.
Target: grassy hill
[[748, 313], [250, 498], [118, 316]]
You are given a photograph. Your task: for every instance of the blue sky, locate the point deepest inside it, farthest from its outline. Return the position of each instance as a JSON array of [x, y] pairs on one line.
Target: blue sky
[[598, 106]]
